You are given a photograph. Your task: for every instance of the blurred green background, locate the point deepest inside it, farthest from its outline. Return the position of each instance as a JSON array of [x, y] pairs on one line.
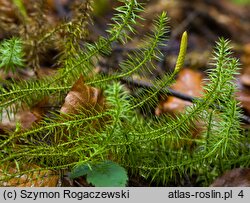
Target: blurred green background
[[241, 1]]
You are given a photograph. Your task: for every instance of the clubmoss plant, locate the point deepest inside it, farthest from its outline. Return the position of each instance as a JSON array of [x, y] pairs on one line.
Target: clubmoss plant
[[11, 55], [161, 149]]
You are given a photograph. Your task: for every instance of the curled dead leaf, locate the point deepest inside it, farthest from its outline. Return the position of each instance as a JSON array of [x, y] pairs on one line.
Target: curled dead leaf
[[25, 116], [26, 119], [82, 97]]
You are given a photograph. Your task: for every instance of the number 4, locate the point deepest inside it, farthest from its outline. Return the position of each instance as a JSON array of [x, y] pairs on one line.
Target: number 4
[[241, 194]]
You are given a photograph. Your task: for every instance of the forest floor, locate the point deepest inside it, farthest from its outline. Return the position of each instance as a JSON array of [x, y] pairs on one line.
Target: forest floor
[[204, 21]]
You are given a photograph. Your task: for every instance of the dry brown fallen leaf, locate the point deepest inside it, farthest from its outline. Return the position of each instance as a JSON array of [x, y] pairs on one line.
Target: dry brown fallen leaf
[[38, 178], [245, 77], [243, 96], [245, 59], [83, 97], [189, 82], [238, 177], [25, 116]]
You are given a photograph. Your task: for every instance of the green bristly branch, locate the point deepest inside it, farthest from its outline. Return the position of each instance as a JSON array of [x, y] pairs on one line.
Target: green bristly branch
[[160, 149]]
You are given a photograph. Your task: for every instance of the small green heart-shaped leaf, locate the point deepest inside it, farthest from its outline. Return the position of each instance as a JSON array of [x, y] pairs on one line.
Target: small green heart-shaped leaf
[[104, 174], [108, 174], [79, 170]]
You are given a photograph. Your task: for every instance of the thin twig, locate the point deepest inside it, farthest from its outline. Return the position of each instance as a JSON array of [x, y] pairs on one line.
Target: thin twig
[[144, 84], [171, 92]]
